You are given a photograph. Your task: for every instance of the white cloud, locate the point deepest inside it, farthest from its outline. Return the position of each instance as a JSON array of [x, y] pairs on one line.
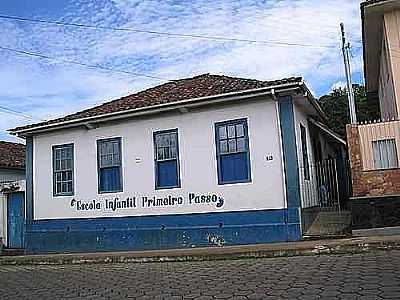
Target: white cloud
[[44, 88], [338, 85]]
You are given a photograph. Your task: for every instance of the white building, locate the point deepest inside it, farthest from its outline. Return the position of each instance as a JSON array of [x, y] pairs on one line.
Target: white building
[[208, 160]]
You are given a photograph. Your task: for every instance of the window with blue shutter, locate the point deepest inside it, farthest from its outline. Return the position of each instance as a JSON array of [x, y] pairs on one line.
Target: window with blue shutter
[[63, 170], [166, 154], [109, 165], [233, 153]]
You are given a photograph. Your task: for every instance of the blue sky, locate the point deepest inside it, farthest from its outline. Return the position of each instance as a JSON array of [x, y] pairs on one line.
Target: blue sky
[[48, 89]]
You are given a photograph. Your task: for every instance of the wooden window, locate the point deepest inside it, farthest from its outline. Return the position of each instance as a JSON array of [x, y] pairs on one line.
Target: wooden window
[[166, 154], [63, 170], [233, 154], [109, 165]]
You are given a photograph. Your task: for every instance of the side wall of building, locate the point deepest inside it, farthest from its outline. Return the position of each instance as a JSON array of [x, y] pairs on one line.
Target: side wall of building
[[243, 213], [369, 182], [306, 186], [376, 193], [392, 57]]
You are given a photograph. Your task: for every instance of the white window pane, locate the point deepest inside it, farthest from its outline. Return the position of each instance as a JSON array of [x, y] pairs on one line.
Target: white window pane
[[109, 147], [69, 187], [69, 164], [165, 140], [223, 146], [222, 132], [232, 146], [160, 154], [57, 153], [115, 160], [63, 153], [241, 144], [239, 130], [173, 152], [231, 131], [173, 139], [166, 152], [103, 148], [68, 152]]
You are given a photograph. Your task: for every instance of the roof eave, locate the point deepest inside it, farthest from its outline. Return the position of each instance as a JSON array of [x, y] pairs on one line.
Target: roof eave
[[157, 108], [314, 102], [17, 168], [329, 131], [372, 35]]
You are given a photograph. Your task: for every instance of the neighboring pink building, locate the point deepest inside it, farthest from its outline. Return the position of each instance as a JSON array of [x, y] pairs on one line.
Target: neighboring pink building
[[374, 147]]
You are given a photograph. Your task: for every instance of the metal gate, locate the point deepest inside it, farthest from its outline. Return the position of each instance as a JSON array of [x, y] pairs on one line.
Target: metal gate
[[324, 190]]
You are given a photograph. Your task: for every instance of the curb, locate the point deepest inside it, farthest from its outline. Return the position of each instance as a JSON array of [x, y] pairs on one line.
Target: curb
[[306, 248]]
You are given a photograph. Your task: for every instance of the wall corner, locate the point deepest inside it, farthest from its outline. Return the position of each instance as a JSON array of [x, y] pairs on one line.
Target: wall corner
[[290, 159]]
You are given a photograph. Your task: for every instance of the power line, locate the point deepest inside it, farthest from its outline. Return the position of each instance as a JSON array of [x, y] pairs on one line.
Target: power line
[[18, 113], [39, 55], [170, 34]]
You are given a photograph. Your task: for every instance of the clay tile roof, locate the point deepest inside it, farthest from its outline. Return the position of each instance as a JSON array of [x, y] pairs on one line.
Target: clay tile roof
[[12, 155], [173, 91]]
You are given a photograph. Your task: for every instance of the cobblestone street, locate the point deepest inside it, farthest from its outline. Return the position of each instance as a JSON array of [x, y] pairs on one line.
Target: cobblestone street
[[367, 276]]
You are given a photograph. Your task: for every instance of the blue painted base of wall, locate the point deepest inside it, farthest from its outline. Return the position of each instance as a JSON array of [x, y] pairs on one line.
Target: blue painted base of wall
[[162, 232]]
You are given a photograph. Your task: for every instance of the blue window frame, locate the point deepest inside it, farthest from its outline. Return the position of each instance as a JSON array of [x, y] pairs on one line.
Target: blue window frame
[[63, 170], [304, 148], [233, 153], [166, 157], [109, 165]]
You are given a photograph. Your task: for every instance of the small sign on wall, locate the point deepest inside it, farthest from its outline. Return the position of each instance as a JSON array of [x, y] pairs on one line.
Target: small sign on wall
[[269, 158]]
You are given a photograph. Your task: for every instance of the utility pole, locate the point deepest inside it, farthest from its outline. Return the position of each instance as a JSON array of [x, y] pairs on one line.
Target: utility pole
[[350, 92]]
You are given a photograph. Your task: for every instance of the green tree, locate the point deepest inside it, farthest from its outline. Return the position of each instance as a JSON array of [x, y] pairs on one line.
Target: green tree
[[335, 105]]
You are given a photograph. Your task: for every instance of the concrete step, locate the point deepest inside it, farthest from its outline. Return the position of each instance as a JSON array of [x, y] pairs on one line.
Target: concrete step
[[330, 223]]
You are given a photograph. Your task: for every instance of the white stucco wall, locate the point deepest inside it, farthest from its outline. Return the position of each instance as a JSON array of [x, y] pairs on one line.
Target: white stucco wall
[[307, 189], [197, 164]]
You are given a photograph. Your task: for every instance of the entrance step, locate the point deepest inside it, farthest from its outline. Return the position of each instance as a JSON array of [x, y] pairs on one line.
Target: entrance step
[[330, 224], [11, 252]]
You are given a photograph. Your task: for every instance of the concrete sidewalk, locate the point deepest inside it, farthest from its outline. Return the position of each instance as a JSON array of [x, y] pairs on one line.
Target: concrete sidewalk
[[314, 247]]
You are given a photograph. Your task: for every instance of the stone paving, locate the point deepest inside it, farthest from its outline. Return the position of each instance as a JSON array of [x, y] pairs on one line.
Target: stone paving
[[359, 276]]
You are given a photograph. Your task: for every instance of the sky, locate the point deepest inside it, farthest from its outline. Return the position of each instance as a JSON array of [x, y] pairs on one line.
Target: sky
[[42, 89]]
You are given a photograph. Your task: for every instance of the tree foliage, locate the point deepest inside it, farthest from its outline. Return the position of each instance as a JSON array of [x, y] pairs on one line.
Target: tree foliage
[[335, 105]]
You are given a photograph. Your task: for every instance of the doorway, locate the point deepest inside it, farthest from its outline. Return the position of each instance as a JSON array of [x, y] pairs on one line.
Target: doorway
[[15, 220]]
